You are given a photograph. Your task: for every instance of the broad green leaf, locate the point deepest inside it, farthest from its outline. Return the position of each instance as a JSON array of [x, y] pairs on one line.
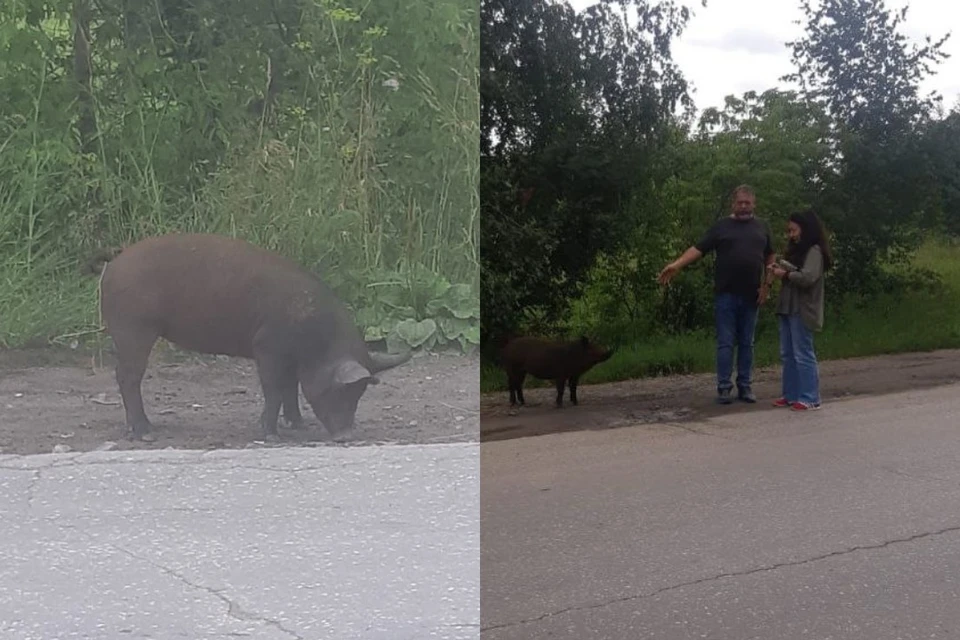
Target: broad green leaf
[[416, 333]]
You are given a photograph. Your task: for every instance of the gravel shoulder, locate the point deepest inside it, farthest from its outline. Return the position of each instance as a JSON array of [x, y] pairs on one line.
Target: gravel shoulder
[[679, 399], [51, 397]]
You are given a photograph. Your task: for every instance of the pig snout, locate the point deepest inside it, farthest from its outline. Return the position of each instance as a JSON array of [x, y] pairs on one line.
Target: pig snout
[[337, 420], [338, 424]]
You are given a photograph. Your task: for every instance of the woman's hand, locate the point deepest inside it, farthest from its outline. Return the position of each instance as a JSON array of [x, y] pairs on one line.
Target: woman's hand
[[777, 271]]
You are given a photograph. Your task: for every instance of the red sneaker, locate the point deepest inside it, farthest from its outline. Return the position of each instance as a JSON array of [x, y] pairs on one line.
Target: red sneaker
[[803, 406], [781, 402]]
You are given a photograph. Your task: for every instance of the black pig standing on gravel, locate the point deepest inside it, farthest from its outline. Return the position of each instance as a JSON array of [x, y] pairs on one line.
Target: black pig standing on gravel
[[549, 360], [218, 295]]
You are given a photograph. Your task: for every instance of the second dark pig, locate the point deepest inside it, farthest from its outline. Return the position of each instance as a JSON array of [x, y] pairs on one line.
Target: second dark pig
[[561, 362]]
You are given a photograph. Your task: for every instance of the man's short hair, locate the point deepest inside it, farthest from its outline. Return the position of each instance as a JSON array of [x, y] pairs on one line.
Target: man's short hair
[[743, 188]]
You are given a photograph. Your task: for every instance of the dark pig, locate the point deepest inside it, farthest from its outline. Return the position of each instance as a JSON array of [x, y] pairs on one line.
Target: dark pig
[[549, 360], [218, 295]]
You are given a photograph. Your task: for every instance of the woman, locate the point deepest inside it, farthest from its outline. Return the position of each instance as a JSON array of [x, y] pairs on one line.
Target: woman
[[800, 309]]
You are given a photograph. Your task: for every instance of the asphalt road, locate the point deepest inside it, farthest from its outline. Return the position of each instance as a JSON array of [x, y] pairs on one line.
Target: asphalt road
[[840, 524], [352, 543]]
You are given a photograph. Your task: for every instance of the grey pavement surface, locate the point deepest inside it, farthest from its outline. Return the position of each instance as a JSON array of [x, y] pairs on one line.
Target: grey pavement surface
[[346, 543], [839, 524]]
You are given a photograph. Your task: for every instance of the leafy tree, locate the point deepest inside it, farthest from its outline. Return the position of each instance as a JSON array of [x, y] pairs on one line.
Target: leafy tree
[[574, 107], [855, 63], [774, 141], [941, 144]]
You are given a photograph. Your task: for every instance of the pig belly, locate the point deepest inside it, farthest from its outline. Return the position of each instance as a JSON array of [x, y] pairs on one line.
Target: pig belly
[[546, 372], [211, 335]]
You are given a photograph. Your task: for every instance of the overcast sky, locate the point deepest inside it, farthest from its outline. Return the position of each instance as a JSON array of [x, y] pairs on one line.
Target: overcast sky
[[733, 46]]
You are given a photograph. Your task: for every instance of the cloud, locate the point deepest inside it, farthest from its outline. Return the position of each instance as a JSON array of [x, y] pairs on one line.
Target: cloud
[[746, 40], [950, 95]]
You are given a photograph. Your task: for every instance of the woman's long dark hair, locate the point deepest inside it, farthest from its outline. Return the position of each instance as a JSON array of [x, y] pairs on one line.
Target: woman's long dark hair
[[812, 233]]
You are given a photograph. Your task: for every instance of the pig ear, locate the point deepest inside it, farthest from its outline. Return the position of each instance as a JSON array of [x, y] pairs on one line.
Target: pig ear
[[349, 372]]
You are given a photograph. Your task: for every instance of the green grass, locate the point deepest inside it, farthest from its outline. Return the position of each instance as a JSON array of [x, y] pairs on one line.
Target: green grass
[[39, 310], [334, 179], [915, 321]]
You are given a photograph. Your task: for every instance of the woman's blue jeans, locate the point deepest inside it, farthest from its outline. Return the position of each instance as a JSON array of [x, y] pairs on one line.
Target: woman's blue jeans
[[801, 377]]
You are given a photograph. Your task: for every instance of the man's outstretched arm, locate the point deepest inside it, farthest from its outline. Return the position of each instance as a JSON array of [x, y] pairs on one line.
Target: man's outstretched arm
[[690, 255]]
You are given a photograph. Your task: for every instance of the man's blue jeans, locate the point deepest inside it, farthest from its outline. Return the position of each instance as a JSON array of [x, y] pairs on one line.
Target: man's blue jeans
[[736, 318], [801, 378]]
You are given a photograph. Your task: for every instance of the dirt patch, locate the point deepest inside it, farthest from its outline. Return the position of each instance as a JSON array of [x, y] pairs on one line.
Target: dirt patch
[[688, 398], [50, 398]]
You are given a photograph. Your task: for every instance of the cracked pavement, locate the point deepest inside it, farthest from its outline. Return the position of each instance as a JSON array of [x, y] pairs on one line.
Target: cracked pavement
[[281, 543], [840, 524]]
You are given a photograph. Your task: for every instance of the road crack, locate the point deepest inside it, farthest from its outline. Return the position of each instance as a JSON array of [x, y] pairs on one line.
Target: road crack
[[32, 488], [234, 610], [699, 432], [912, 476], [721, 576]]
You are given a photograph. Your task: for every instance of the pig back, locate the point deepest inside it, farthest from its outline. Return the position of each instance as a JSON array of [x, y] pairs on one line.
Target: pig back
[[202, 292]]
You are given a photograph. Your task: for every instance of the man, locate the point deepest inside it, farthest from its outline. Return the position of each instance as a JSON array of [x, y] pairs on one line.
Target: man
[[744, 249]]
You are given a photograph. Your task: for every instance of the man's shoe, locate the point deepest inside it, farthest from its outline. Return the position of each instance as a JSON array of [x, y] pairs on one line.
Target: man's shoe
[[746, 395], [723, 397]]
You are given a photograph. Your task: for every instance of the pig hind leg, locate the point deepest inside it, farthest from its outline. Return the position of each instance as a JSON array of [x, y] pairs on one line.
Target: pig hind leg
[[272, 370], [515, 382], [291, 398], [561, 383], [133, 345]]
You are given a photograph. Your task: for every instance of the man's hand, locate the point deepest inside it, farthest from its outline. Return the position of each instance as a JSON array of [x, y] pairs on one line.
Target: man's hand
[[671, 270], [668, 273]]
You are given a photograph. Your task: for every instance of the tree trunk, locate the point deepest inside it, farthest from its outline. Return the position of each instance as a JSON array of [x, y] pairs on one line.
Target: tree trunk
[[83, 74], [95, 229]]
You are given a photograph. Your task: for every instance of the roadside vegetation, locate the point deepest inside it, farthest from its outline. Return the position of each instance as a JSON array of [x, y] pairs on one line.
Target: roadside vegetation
[[341, 134], [925, 318]]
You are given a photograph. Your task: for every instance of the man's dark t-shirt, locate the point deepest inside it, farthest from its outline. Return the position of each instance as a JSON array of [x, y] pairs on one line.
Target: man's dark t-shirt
[[741, 248]]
